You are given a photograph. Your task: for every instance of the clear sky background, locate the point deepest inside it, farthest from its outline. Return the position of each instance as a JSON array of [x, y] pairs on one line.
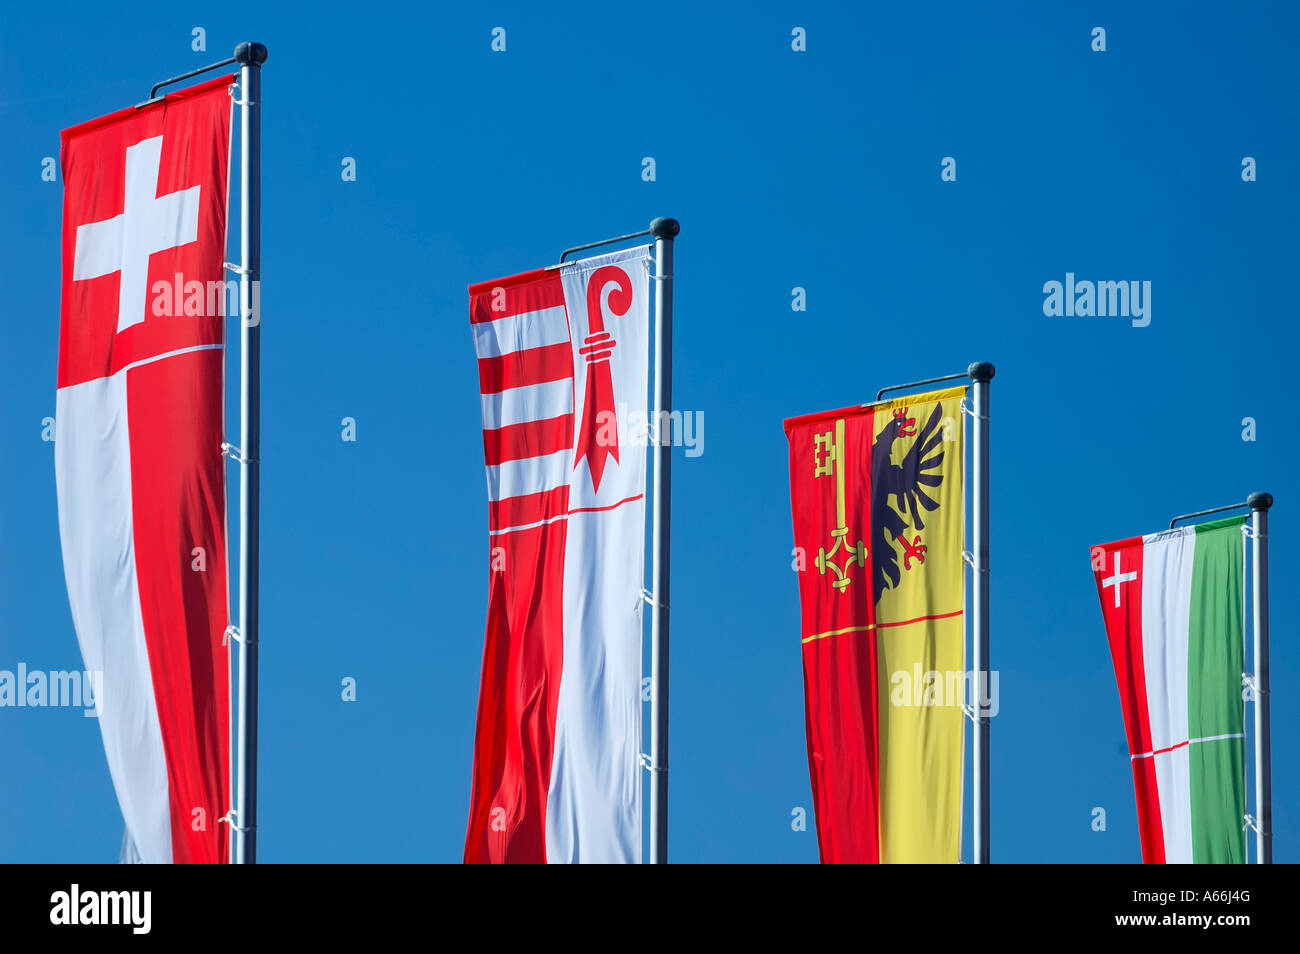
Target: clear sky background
[[818, 169]]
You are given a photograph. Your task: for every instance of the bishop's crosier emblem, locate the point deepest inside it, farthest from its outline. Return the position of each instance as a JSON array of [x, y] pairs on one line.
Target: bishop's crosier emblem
[[598, 400]]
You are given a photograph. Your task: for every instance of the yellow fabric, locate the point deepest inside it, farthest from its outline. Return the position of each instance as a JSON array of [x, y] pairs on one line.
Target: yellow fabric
[[921, 649]]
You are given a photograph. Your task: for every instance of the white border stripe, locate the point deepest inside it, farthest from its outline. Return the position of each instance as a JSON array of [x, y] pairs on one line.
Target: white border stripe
[[532, 475], [144, 361], [171, 354], [528, 329], [536, 402]]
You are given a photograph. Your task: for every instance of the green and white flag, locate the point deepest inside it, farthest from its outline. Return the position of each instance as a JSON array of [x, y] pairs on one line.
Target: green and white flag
[[1173, 608]]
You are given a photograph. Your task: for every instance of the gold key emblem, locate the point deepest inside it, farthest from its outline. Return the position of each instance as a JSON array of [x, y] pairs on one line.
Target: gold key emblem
[[828, 461]]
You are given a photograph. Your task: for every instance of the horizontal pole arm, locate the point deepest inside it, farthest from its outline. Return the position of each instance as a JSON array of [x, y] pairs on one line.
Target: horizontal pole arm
[[153, 93], [1204, 513], [609, 241], [916, 384]]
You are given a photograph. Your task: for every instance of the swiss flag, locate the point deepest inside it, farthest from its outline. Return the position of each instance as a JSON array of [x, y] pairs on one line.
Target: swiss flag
[[144, 202], [138, 463]]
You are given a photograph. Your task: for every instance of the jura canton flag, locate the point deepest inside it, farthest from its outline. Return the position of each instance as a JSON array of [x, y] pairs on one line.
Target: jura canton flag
[[562, 362], [137, 459], [1173, 608], [877, 500]]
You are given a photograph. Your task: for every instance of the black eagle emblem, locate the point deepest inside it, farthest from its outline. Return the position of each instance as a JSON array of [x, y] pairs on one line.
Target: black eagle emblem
[[906, 482]]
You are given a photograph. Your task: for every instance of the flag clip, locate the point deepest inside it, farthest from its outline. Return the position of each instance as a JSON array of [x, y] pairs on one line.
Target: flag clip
[[1250, 824], [969, 711], [969, 411], [237, 269], [234, 453], [238, 102], [230, 819], [1248, 682], [648, 597], [232, 632], [647, 763], [969, 559]]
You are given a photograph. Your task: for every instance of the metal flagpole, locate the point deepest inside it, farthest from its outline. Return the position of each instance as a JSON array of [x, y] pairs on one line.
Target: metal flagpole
[[664, 231], [250, 56], [981, 373], [1259, 504]]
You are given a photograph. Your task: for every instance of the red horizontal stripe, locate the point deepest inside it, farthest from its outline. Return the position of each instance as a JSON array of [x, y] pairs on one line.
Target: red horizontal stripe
[[920, 619], [530, 291], [528, 508], [529, 439], [612, 506], [521, 368], [532, 509]]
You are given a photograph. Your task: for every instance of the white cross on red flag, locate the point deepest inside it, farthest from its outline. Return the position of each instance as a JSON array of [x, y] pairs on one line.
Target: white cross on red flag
[[141, 478]]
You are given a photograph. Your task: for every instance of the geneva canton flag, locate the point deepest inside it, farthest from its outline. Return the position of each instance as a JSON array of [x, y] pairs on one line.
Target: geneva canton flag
[[562, 360], [1173, 608], [141, 478], [878, 503]]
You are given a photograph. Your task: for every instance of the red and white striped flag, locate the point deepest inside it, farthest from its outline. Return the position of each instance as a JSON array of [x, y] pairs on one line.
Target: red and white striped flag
[[562, 356], [141, 481]]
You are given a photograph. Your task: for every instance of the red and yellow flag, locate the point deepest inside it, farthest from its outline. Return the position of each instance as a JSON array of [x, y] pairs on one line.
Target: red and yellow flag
[[878, 506]]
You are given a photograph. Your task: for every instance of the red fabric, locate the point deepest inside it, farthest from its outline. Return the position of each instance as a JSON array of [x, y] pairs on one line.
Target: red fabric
[[528, 509], [175, 416], [195, 126], [527, 291], [530, 439], [1124, 632], [523, 654], [179, 493], [551, 363], [841, 687]]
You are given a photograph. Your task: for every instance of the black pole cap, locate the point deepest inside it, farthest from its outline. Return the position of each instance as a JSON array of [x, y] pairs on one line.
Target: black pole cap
[[1259, 501], [981, 371], [665, 228], [251, 54]]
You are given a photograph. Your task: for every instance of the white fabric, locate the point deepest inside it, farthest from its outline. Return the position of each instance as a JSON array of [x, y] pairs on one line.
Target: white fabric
[[92, 465], [593, 811], [149, 223], [530, 475], [1166, 621], [129, 853], [529, 329], [536, 402]]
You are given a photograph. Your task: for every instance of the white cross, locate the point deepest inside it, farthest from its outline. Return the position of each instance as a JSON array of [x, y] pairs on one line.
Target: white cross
[[1118, 578], [149, 223]]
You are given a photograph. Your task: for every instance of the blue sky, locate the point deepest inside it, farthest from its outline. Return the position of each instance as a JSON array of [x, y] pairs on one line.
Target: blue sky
[[818, 169]]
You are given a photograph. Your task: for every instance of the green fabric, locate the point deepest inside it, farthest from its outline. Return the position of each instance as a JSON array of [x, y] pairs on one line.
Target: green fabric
[[1214, 703]]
